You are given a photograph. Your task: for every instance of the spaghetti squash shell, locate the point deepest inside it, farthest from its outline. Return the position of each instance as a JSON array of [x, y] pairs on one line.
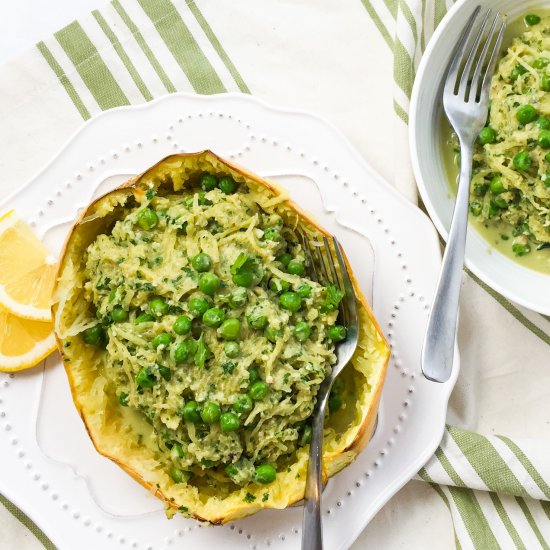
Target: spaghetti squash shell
[[101, 412]]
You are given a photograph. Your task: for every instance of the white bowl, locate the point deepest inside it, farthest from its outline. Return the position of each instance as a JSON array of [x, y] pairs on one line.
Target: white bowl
[[517, 283]]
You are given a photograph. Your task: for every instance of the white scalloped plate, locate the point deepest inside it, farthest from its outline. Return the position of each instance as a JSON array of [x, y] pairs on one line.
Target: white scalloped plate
[[82, 500]]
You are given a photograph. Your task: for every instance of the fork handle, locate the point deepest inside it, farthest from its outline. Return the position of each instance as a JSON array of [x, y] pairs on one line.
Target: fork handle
[[312, 529], [438, 350]]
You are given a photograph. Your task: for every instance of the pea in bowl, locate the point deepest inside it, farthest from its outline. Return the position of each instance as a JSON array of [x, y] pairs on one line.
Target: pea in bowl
[[508, 244]]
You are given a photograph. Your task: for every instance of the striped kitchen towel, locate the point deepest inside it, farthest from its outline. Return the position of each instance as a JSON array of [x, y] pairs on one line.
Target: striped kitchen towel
[[310, 54]]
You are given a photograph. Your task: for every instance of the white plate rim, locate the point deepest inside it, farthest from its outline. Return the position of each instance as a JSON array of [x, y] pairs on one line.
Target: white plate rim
[[422, 458]]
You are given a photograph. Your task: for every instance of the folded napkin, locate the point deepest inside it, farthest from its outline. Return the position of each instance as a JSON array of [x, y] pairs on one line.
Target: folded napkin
[[335, 58]]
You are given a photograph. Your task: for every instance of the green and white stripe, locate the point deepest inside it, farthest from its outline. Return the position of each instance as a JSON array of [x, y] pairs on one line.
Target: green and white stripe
[[497, 489]]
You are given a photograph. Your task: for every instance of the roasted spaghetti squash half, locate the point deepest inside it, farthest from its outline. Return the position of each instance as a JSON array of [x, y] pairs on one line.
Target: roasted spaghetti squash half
[[195, 342]]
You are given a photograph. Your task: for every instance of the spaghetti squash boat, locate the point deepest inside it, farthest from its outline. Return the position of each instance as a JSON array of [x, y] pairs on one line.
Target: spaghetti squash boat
[[195, 342]]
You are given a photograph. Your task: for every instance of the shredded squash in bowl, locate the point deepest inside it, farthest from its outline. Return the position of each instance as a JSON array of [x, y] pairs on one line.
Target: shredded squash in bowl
[[195, 341]]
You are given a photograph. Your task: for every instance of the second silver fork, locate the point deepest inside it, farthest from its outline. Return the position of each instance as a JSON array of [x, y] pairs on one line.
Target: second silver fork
[[466, 104]]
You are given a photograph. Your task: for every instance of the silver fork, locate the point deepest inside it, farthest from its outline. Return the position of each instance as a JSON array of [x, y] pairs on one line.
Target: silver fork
[[323, 269], [466, 104]]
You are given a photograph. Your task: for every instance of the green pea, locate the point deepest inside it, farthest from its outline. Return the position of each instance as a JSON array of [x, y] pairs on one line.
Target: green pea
[[306, 435], [541, 62], [244, 278], [295, 267], [230, 329], [545, 83], [238, 298], [480, 189], [543, 123], [158, 307], [265, 474], [201, 262], [243, 404], [258, 390], [176, 452], [302, 331], [191, 412], [253, 375], [257, 320], [493, 210], [521, 249], [526, 114], [198, 306], [94, 336], [337, 333], [208, 182], [501, 202], [272, 234], [335, 402], [522, 161], [184, 351], [213, 317], [145, 378], [272, 334], [211, 412], [229, 422], [475, 208], [497, 186], [182, 325], [162, 340], [532, 19], [279, 285], [228, 185], [232, 349], [119, 315], [285, 258], [180, 476], [147, 219], [517, 71], [231, 470], [544, 139], [487, 135], [144, 318], [123, 399], [209, 283], [304, 290], [290, 301]]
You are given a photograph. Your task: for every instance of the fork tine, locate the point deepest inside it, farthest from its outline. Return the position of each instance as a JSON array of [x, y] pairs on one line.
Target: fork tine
[[484, 89], [331, 262], [321, 258], [307, 249], [475, 86], [349, 305], [464, 87], [458, 54]]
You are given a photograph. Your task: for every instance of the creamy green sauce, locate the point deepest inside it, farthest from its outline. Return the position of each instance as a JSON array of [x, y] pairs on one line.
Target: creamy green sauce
[[216, 339], [514, 221]]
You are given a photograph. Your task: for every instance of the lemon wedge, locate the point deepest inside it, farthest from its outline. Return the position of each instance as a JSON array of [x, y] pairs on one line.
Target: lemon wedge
[[23, 342], [27, 271]]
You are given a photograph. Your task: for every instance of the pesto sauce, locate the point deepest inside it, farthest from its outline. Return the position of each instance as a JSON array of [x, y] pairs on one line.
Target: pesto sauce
[[146, 265]]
